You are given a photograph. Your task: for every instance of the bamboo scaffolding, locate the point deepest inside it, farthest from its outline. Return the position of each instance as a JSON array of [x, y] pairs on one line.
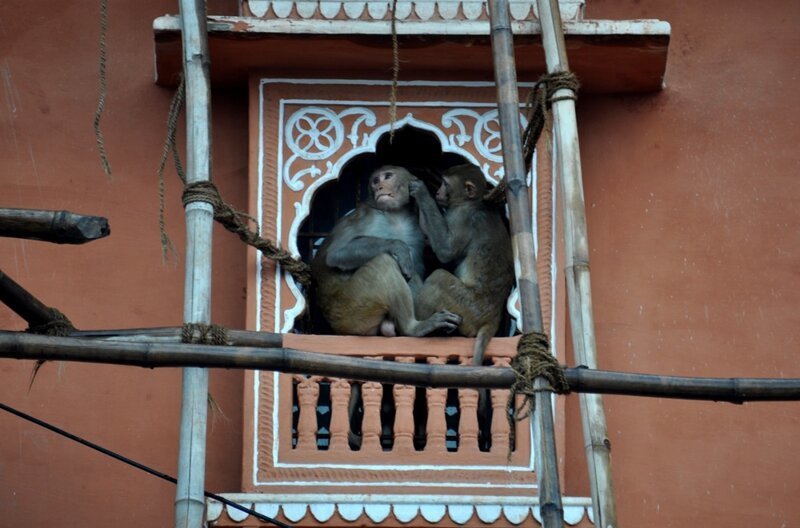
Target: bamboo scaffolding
[[172, 334], [23, 303], [20, 345], [61, 227], [189, 499], [546, 457], [577, 266]]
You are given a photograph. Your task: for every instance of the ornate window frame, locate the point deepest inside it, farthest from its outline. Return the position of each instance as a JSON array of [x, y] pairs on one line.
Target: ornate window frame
[[304, 131]]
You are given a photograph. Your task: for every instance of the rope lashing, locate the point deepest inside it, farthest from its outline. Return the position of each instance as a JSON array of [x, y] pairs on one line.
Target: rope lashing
[[59, 325], [204, 334], [533, 360], [538, 106], [236, 222]]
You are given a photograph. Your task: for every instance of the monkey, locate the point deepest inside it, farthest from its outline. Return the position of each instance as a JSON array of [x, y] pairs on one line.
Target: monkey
[[371, 266], [472, 238]]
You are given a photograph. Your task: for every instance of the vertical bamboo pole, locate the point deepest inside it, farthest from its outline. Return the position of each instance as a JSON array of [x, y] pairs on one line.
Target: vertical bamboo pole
[[577, 267], [189, 499], [522, 239]]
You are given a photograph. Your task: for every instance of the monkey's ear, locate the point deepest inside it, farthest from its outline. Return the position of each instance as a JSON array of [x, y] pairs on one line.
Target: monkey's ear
[[470, 189]]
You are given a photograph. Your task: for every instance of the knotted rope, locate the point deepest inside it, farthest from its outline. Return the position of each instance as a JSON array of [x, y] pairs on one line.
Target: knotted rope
[[101, 101], [204, 334], [236, 222], [59, 325], [533, 360], [395, 73], [537, 109], [205, 191]]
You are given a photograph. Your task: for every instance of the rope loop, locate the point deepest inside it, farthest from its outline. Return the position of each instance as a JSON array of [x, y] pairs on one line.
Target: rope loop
[[202, 191], [537, 109], [533, 360], [203, 334], [237, 222]]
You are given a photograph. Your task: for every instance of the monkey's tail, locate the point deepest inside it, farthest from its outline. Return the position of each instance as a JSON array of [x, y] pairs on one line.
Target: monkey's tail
[[485, 333]]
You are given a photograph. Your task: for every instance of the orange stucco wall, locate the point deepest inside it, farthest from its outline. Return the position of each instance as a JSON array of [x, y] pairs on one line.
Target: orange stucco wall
[[691, 196], [48, 159], [693, 226]]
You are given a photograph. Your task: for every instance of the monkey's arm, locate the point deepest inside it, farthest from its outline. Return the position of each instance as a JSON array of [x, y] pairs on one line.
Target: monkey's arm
[[443, 240], [352, 253]]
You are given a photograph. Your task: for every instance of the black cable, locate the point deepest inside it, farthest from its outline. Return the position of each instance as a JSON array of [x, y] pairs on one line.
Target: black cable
[[164, 476]]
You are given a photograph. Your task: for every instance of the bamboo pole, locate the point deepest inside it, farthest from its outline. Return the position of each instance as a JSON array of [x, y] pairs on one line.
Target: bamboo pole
[[173, 334], [577, 266], [189, 498], [545, 456], [23, 303], [20, 345], [61, 227]]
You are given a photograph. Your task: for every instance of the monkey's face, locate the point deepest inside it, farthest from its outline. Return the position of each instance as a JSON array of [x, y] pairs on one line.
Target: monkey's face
[[389, 186], [456, 188], [443, 193]]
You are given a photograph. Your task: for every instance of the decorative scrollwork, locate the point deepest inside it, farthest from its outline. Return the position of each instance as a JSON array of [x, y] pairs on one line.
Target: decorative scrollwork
[[315, 133]]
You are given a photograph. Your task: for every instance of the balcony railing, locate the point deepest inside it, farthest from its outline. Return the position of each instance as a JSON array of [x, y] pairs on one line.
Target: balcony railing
[[335, 421]]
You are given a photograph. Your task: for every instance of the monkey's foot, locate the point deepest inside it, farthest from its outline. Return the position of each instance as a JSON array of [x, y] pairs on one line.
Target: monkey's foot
[[441, 320], [388, 328]]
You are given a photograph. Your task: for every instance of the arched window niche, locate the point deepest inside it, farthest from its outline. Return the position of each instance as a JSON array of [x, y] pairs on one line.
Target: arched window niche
[[413, 147]]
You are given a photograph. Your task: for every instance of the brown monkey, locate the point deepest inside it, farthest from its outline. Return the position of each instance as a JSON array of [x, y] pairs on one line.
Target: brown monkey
[[371, 264], [472, 238]]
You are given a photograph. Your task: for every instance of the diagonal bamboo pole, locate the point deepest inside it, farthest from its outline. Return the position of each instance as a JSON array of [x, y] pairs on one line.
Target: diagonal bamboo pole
[[546, 458], [577, 266], [189, 498], [23, 303]]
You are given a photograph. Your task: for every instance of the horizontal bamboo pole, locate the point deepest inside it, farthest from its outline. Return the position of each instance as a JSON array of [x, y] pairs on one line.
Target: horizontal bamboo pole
[[19, 345], [173, 334], [61, 227]]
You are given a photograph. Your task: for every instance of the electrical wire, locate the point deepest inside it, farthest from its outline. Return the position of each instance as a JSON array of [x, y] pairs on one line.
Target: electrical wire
[[137, 465]]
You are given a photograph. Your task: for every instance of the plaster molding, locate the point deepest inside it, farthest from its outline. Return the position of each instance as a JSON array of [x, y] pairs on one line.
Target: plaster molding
[[406, 9], [403, 508]]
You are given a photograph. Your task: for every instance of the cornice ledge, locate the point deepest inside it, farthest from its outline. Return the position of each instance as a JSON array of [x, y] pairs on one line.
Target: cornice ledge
[[253, 27]]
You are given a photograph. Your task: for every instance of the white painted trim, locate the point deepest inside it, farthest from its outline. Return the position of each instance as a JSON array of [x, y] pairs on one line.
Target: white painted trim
[[375, 498], [257, 26], [403, 484], [405, 508]]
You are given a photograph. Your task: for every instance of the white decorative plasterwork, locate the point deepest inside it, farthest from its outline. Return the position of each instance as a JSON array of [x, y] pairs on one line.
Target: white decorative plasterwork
[[323, 136], [404, 508], [417, 10]]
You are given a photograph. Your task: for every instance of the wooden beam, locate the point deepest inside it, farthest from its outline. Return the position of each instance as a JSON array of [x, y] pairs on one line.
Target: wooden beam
[[61, 227]]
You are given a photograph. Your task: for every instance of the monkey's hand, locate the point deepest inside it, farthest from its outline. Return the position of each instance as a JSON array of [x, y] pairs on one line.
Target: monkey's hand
[[401, 253], [416, 188]]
